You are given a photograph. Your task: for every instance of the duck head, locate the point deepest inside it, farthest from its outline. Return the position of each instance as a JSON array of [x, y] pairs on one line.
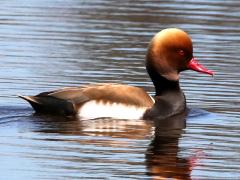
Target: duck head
[[170, 52]]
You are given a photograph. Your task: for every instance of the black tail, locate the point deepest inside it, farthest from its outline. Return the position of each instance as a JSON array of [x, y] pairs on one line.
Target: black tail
[[34, 103], [49, 104]]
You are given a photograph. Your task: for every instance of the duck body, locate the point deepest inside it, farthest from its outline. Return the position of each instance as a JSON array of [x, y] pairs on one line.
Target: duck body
[[170, 52], [94, 101]]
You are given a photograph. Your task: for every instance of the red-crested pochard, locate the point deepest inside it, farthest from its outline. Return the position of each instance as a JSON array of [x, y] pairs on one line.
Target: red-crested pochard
[[170, 52]]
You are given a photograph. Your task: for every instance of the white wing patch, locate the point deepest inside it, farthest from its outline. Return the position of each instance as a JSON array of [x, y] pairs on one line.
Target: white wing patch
[[94, 109]]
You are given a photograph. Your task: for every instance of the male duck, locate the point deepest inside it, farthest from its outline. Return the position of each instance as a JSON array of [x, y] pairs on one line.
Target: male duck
[[170, 52]]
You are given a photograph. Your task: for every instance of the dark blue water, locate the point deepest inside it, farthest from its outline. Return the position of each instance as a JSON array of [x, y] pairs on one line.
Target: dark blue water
[[46, 45]]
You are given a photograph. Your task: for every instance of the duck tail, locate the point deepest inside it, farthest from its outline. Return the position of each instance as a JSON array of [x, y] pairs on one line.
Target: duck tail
[[29, 99], [32, 101]]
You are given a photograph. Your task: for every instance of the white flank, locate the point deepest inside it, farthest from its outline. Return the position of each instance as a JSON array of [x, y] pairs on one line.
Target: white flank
[[94, 109]]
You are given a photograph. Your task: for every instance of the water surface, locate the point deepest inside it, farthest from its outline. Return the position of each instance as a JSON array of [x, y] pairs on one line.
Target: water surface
[[52, 44]]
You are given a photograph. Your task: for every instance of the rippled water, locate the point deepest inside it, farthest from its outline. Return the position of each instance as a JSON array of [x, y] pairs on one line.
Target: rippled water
[[50, 44]]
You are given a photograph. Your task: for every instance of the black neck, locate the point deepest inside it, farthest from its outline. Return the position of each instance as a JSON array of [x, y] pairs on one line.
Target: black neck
[[161, 84], [169, 99]]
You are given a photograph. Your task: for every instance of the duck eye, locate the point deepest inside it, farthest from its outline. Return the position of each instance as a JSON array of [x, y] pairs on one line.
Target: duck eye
[[181, 52]]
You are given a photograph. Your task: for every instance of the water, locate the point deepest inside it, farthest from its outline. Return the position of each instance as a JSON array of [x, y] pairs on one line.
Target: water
[[47, 44]]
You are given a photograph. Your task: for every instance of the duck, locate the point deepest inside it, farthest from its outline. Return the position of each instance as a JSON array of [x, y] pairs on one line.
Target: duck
[[169, 53]]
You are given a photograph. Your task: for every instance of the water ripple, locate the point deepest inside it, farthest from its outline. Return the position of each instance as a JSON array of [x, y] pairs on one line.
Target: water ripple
[[51, 44]]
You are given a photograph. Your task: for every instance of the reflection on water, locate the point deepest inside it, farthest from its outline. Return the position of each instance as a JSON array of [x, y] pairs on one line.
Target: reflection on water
[[162, 154], [51, 44]]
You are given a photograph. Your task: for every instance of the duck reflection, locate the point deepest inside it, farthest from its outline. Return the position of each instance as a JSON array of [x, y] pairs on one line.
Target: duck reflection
[[162, 159], [130, 129]]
